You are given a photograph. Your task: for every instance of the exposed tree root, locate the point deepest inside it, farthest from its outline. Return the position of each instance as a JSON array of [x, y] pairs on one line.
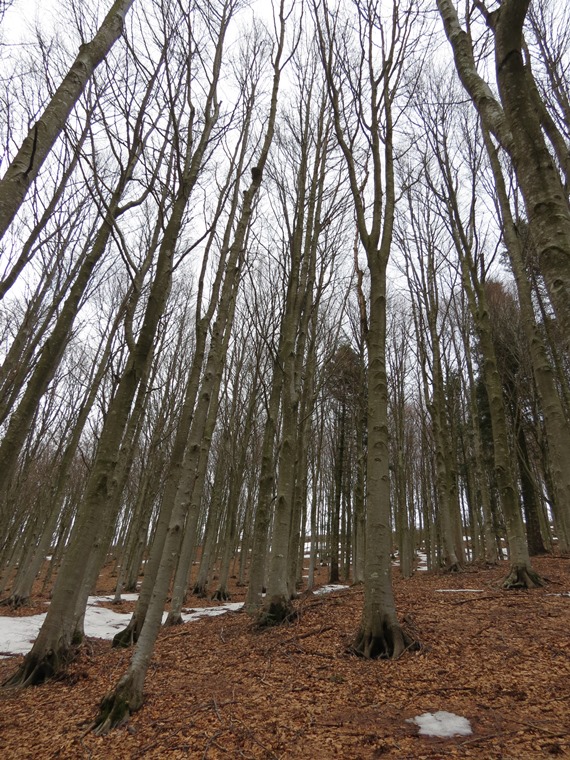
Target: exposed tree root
[[390, 643], [114, 711], [15, 601], [221, 595], [173, 618], [200, 590], [522, 576], [117, 706], [36, 670], [278, 610], [128, 637], [455, 567]]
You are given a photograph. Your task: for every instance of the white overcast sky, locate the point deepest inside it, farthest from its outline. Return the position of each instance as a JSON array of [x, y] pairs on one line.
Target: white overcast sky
[[23, 16]]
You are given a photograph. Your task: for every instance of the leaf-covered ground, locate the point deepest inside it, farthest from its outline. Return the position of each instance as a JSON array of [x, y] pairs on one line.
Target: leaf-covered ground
[[218, 688]]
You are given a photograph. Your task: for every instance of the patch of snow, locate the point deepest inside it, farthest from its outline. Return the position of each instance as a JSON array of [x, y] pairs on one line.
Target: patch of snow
[[94, 600], [460, 590], [422, 564], [102, 623], [17, 634], [564, 593], [329, 589], [196, 614], [441, 723]]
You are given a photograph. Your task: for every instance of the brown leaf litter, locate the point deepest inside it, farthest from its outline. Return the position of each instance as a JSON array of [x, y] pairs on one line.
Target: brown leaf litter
[[219, 688]]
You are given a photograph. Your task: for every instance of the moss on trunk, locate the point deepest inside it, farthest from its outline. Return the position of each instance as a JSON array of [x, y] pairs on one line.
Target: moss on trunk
[[15, 601], [200, 590], [118, 705], [113, 712], [221, 595], [173, 618]]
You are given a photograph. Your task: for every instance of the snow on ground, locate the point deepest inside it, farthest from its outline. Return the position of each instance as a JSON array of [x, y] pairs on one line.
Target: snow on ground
[[420, 556], [328, 589], [17, 634], [200, 612], [460, 590], [442, 724], [422, 564], [124, 598]]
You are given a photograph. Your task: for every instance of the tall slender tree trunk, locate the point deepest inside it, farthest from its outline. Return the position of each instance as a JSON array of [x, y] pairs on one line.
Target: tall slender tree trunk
[[556, 423], [516, 124], [35, 148], [128, 694]]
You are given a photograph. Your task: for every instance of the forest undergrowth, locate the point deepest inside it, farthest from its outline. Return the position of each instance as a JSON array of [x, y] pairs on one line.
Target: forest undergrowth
[[220, 688]]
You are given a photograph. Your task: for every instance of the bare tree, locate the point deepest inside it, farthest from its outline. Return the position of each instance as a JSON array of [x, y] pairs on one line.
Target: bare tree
[[54, 645], [517, 123], [362, 87], [127, 696], [26, 164]]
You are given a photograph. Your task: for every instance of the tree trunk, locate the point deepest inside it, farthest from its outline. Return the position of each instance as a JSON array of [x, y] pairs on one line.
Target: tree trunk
[[516, 124], [555, 420], [35, 148], [128, 694]]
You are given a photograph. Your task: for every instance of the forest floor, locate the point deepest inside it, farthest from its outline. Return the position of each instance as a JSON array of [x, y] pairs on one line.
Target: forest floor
[[220, 688]]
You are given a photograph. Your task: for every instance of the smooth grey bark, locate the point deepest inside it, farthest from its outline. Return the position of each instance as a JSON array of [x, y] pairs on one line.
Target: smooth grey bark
[[188, 497], [401, 455], [54, 346], [516, 124], [290, 361], [482, 483], [22, 586], [127, 696], [54, 646], [263, 509], [35, 148], [238, 452], [521, 572], [379, 634], [179, 480], [426, 310], [31, 243], [556, 422], [200, 439]]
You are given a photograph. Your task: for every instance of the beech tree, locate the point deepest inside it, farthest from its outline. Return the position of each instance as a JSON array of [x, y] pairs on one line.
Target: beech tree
[[517, 122], [127, 696], [303, 215], [470, 248], [27, 162], [53, 347], [362, 89], [420, 238], [54, 645], [202, 349]]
